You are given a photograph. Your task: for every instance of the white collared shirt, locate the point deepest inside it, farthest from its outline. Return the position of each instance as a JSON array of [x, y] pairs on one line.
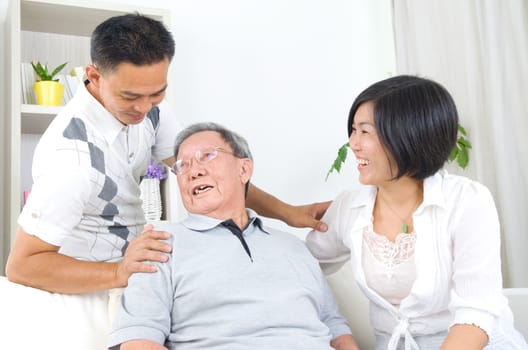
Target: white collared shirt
[[86, 172]]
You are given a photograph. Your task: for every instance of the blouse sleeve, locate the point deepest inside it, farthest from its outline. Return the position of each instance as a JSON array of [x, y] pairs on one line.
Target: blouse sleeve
[[328, 247], [476, 294]]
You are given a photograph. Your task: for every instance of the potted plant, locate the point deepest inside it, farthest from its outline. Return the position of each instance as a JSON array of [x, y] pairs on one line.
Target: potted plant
[[459, 153], [47, 88]]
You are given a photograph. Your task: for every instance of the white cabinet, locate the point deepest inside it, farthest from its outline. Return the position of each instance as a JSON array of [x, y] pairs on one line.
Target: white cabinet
[[53, 32]]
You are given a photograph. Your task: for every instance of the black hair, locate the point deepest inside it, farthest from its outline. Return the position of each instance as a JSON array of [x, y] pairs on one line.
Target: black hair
[[416, 120], [132, 38]]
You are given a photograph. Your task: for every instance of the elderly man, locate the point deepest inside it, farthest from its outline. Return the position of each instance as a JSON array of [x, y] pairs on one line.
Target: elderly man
[[230, 283]]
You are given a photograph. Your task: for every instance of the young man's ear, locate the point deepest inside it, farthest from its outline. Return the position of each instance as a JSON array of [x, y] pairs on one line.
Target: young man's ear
[[92, 74]]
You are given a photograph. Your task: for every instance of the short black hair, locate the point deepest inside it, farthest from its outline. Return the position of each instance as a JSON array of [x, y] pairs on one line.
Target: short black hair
[[132, 38], [416, 120]]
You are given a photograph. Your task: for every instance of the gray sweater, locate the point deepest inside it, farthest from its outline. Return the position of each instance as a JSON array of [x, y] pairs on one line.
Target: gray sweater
[[213, 295]]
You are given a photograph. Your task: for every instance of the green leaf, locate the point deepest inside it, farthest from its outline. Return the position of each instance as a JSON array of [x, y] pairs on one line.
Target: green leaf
[[340, 159], [464, 142], [58, 69], [42, 71], [453, 154], [462, 130], [463, 158]]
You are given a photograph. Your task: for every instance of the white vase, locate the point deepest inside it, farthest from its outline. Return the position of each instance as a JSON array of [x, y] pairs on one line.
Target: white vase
[[151, 196]]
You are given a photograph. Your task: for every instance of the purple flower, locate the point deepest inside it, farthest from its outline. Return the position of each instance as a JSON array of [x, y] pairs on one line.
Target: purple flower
[[156, 171]]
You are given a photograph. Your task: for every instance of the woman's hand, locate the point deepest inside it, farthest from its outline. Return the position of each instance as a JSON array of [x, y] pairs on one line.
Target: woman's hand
[[344, 342], [140, 344], [465, 337]]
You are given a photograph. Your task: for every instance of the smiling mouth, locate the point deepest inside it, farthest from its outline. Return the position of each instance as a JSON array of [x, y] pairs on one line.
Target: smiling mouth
[[201, 189], [363, 162]]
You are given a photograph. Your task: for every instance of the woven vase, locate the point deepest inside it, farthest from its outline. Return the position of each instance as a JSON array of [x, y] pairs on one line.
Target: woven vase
[[151, 196]]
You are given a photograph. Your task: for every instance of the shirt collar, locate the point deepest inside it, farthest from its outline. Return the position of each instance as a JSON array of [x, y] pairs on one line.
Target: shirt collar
[[364, 199], [97, 114], [198, 222], [433, 192]]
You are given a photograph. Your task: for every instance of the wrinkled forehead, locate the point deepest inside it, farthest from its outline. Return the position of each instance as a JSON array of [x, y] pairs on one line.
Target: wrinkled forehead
[[201, 140]]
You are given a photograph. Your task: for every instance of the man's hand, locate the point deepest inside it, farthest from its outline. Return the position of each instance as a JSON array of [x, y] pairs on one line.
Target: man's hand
[[297, 216], [148, 246], [308, 216], [38, 264], [344, 342]]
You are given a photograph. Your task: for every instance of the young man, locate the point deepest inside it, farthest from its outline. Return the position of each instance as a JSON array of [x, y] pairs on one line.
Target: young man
[[230, 282], [81, 229]]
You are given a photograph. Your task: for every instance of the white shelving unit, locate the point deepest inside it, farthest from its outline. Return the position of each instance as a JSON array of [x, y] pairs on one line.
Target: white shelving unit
[[52, 31]]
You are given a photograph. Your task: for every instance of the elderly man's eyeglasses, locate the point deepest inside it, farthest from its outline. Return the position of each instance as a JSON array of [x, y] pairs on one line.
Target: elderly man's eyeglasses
[[202, 156]]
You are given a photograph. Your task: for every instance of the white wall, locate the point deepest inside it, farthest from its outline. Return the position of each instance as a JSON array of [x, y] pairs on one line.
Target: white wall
[[283, 74]]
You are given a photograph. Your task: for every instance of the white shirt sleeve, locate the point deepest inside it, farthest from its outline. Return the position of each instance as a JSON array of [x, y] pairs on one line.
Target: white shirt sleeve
[[166, 132], [476, 294], [328, 247], [56, 202]]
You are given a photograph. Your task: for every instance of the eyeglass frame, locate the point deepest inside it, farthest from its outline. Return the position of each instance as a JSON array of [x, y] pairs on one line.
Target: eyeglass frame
[[197, 156]]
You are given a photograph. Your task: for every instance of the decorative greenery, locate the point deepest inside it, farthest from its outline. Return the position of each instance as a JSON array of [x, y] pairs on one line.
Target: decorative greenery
[[342, 153], [459, 152], [156, 171], [43, 73]]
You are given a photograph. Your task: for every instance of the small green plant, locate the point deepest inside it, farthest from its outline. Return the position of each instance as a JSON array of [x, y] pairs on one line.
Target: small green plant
[[43, 73], [459, 153], [342, 153]]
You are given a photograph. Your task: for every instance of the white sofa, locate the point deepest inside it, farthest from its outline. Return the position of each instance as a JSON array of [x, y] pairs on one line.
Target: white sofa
[[34, 319], [30, 319], [518, 299]]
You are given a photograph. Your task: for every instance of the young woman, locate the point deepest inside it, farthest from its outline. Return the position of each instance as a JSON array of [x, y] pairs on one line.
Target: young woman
[[424, 245]]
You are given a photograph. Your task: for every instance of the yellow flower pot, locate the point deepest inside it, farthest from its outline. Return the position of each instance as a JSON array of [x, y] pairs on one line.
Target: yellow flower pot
[[49, 93]]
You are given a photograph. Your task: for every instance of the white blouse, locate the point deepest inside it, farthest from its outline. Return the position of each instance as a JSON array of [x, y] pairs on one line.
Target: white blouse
[[389, 266], [456, 257]]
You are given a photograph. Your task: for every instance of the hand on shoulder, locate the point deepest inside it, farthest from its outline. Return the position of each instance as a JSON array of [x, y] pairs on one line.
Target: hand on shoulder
[[308, 215]]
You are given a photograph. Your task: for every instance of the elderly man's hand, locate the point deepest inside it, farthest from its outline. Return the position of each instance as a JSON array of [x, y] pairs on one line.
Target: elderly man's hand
[[308, 215], [141, 344], [148, 246], [344, 342]]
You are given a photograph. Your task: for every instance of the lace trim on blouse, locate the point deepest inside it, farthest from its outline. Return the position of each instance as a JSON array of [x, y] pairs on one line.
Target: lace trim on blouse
[[390, 253], [389, 266]]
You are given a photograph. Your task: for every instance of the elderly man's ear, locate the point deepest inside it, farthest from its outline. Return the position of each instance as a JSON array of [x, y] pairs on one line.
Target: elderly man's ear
[[246, 170]]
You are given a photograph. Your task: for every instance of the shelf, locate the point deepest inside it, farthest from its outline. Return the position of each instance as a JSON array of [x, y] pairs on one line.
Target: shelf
[[54, 31], [35, 118], [72, 17]]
